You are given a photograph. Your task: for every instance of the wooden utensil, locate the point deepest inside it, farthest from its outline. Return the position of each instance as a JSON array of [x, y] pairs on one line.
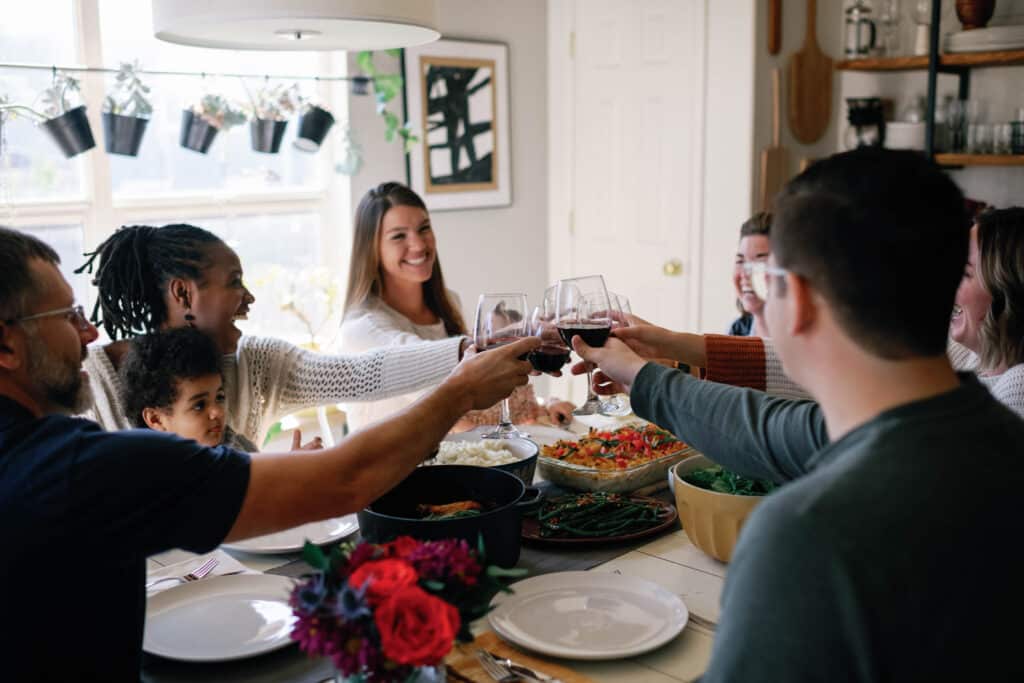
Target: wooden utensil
[[774, 160], [774, 26], [810, 85]]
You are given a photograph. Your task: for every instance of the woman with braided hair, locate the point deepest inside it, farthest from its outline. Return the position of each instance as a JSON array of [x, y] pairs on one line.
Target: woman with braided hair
[[153, 278]]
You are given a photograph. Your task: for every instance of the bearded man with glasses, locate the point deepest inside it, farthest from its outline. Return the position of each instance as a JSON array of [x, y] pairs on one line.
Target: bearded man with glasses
[[878, 560]]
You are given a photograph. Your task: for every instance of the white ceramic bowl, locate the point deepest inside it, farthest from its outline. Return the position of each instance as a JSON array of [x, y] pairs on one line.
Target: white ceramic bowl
[[904, 135]]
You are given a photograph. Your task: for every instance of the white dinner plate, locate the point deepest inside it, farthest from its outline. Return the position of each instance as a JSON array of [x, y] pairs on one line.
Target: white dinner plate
[[220, 618], [292, 540], [543, 435], [588, 615]]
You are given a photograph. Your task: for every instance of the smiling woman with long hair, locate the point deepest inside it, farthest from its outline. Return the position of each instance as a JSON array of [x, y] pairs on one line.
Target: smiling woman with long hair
[[396, 296]]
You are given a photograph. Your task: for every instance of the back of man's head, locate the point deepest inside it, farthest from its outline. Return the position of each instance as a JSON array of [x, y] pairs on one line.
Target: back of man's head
[[17, 284], [882, 235]]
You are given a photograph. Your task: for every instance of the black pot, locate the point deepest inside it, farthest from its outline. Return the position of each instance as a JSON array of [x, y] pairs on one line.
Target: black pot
[[71, 132], [196, 134], [394, 514], [266, 135], [123, 134], [313, 127]]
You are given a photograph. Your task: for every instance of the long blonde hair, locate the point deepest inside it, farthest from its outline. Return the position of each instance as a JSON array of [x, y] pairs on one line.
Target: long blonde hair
[[364, 276], [1001, 268]]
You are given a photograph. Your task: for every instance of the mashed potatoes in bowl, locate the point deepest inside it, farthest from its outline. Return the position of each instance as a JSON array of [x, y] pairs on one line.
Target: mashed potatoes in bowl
[[517, 456]]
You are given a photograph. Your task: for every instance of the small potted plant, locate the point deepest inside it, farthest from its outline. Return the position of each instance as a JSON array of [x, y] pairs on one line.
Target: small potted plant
[[314, 123], [68, 127], [126, 111], [391, 612], [201, 123], [270, 109]]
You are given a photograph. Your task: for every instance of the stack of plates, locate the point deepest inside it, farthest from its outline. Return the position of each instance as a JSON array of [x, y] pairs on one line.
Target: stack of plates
[[986, 39]]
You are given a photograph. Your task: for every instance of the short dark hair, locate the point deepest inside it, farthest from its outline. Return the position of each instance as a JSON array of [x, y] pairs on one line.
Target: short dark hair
[[758, 224], [155, 363], [135, 264], [882, 235], [1001, 269], [17, 250]]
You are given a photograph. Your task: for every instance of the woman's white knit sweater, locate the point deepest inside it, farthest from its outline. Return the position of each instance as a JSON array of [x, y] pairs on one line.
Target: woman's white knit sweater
[[267, 378]]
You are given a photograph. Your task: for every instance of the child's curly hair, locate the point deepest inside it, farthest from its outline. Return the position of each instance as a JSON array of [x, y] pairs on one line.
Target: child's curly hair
[[155, 364]]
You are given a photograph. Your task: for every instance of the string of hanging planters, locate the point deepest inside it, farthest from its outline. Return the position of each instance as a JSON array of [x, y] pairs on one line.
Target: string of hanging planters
[[127, 110]]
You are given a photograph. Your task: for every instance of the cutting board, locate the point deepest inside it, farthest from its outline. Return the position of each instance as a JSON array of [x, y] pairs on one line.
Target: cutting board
[[463, 667], [810, 85], [774, 160]]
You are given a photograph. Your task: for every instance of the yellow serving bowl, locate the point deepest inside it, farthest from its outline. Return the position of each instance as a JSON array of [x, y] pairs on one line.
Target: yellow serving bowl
[[712, 520]]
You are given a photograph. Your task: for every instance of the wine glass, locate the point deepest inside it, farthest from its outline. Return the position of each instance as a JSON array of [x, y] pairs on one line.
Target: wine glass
[[582, 308], [618, 404], [500, 320], [552, 353]]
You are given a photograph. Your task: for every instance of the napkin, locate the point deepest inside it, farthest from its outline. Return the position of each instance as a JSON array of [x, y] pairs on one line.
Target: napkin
[[226, 565]]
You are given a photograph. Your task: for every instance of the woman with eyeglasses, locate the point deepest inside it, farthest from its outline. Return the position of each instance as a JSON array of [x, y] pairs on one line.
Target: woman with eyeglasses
[[754, 247], [986, 327], [153, 279]]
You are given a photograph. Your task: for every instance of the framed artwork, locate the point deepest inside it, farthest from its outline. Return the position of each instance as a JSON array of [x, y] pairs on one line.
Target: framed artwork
[[457, 99]]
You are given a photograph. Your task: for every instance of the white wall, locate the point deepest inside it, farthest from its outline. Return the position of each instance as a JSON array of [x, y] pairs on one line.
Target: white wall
[[484, 250], [999, 88]]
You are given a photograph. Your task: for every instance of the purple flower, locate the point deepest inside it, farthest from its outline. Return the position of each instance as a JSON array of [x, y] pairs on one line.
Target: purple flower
[[442, 560], [309, 596], [351, 604]]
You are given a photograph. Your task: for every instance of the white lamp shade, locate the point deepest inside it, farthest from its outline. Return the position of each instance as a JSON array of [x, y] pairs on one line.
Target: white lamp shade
[[296, 24]]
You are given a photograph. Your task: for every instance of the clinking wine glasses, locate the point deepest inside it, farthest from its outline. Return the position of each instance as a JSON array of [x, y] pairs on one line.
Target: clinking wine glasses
[[618, 405], [582, 308], [500, 319]]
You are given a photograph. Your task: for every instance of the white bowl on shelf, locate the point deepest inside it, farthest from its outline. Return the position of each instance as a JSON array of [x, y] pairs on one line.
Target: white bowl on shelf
[[904, 135]]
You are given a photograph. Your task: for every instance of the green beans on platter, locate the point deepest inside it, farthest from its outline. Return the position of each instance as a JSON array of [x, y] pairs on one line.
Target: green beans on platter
[[597, 514]]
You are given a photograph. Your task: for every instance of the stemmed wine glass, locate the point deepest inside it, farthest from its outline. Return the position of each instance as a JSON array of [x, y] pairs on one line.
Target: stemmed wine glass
[[618, 405], [582, 308], [552, 353], [500, 320]]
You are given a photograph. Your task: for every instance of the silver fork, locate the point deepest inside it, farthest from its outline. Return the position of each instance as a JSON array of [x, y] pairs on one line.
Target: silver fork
[[194, 575], [495, 670]]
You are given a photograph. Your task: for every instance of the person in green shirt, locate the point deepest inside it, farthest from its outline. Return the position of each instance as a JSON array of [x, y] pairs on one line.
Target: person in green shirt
[[889, 553]]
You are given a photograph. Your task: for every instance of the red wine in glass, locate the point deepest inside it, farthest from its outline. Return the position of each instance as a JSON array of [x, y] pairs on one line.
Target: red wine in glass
[[549, 358], [593, 333], [498, 342]]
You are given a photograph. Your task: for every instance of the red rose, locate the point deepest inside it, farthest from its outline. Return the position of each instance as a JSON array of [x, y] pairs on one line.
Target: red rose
[[416, 628], [385, 577], [402, 546]]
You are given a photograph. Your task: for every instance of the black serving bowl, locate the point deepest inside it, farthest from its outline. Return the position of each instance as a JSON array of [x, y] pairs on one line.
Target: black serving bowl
[[503, 496]]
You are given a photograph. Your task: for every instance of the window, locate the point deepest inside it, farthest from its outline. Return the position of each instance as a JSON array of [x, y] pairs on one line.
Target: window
[[268, 207]]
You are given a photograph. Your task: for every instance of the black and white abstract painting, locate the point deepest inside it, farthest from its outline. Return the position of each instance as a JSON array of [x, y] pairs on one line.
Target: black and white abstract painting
[[457, 96]]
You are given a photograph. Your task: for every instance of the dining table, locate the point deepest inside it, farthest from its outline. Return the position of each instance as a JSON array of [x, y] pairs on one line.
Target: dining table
[[669, 560]]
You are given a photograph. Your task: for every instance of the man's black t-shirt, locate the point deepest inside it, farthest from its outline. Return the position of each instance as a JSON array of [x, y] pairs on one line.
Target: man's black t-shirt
[[80, 510]]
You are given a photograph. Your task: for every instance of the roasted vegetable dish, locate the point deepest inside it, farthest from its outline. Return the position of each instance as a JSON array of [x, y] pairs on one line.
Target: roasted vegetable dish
[[461, 508], [715, 478], [598, 514], [615, 450]]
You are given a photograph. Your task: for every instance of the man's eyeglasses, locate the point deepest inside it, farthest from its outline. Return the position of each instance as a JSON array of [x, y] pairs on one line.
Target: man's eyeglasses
[[74, 314], [758, 272]]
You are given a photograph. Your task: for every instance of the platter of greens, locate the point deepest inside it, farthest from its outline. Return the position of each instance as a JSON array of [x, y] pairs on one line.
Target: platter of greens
[[596, 517], [720, 480]]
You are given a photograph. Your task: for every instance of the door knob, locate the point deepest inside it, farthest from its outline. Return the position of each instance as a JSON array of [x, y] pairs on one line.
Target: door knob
[[672, 268]]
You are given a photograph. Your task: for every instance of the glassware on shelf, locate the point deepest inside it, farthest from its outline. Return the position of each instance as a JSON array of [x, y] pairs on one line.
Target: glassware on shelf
[[889, 22], [956, 118], [860, 30], [979, 138], [922, 26], [500, 319], [1002, 138]]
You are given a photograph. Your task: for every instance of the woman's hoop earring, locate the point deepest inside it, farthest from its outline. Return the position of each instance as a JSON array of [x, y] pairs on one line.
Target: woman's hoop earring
[[190, 320]]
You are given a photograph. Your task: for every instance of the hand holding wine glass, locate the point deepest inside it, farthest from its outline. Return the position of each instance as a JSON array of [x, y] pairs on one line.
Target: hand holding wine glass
[[618, 404], [582, 308], [500, 320]]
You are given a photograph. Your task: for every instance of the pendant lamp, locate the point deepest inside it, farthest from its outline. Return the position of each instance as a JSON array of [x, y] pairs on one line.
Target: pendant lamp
[[296, 24]]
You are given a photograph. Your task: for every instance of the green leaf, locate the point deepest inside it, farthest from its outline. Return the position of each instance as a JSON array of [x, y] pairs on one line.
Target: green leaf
[[436, 586], [387, 86], [314, 556], [395, 52], [500, 572], [365, 62], [274, 430], [391, 125]]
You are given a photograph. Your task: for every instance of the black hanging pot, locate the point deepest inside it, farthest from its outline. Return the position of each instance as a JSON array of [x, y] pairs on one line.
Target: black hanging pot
[[197, 134], [71, 132], [502, 494], [313, 127], [266, 135], [123, 134]]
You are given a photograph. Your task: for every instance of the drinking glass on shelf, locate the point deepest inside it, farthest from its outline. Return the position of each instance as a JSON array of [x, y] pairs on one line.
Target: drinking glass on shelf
[[618, 404], [957, 119], [500, 320], [1002, 139], [582, 308]]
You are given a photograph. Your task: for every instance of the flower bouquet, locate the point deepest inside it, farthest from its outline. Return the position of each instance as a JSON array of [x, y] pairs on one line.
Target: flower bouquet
[[389, 613]]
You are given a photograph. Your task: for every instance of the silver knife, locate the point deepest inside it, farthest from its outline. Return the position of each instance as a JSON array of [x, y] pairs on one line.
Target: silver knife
[[524, 672]]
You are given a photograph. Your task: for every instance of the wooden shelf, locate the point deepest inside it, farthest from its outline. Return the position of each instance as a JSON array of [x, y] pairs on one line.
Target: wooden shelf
[[979, 159], [920, 63]]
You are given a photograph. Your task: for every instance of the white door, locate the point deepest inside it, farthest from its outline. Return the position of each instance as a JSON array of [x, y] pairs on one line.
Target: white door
[[637, 79]]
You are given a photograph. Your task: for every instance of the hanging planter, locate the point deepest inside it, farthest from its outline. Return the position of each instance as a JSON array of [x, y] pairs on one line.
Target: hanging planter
[[201, 123], [69, 127], [126, 112], [314, 125], [266, 135]]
